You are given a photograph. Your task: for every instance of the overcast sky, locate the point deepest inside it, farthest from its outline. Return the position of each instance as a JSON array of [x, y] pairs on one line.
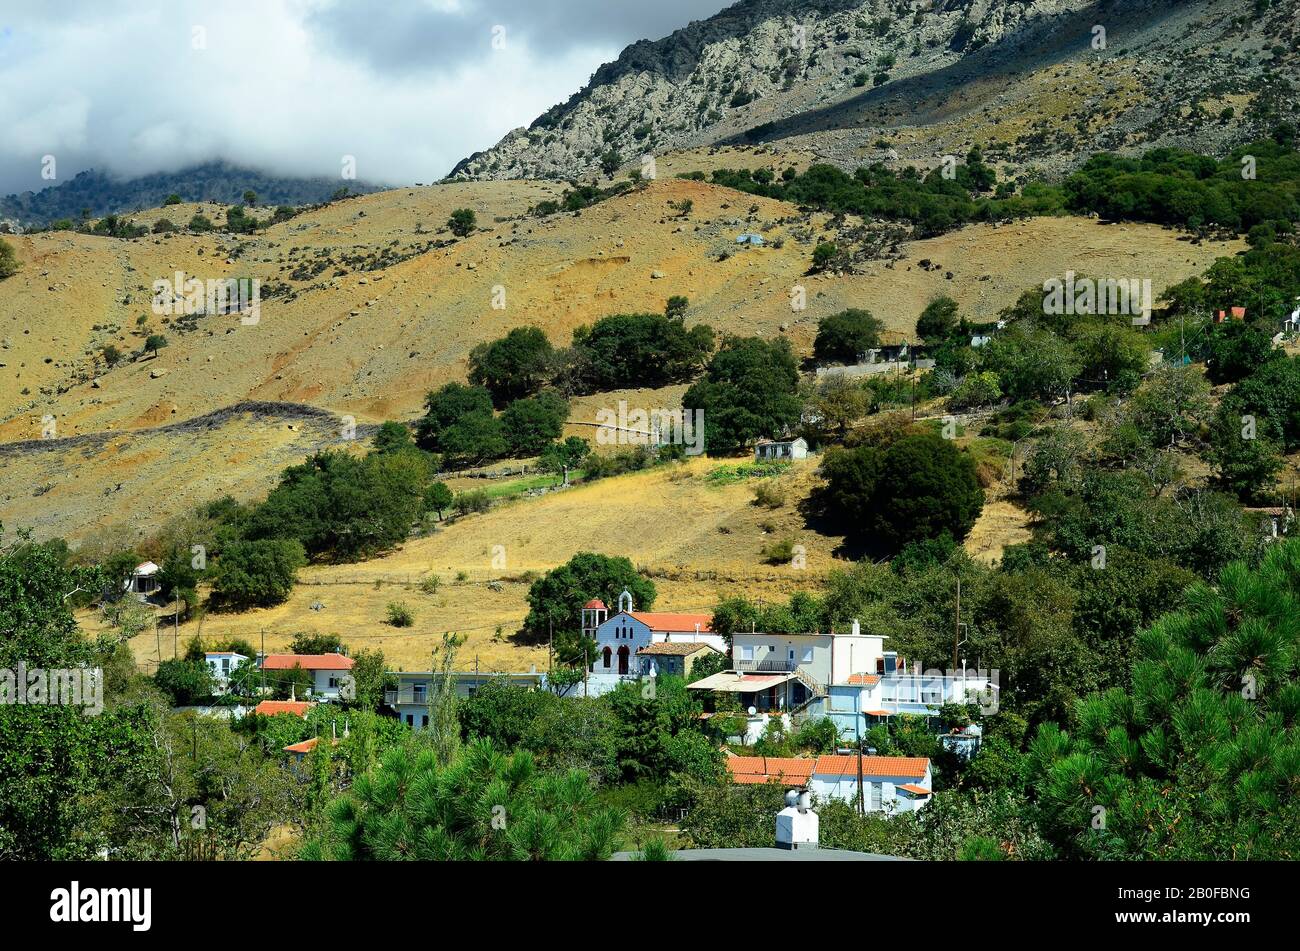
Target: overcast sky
[[408, 87]]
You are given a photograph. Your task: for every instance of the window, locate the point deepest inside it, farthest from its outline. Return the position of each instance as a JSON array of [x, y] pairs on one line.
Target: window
[[410, 719], [807, 657], [424, 720], [334, 681], [418, 692], [225, 665], [747, 652]]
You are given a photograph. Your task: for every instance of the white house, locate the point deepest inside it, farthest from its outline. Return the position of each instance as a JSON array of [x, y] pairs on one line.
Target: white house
[[843, 676], [143, 581], [619, 638], [410, 699], [890, 784], [774, 450], [222, 664], [329, 672]]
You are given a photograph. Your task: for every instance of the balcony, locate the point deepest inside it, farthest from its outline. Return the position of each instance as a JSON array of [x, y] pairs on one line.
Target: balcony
[[406, 695], [768, 665]]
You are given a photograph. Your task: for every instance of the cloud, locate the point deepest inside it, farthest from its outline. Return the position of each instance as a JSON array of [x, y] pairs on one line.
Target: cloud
[[407, 87]]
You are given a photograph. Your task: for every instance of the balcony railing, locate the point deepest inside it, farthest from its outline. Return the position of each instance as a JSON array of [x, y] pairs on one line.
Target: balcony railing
[[405, 695], [771, 665]]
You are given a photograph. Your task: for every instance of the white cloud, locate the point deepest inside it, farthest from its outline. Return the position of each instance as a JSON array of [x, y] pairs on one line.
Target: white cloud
[[408, 86]]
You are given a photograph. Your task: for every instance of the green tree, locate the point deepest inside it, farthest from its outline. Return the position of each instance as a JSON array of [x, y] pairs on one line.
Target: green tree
[[628, 350], [54, 774], [531, 424], [393, 437], [844, 337], [1197, 758], [257, 573], [555, 600], [564, 456], [1236, 349], [370, 679], [749, 391], [8, 260], [473, 440], [437, 498], [445, 407], [483, 805], [919, 487], [938, 322], [1246, 462], [155, 342], [186, 682], [515, 366]]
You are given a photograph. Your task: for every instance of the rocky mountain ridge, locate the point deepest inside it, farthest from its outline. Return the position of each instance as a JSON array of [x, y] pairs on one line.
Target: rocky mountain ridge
[[852, 79]]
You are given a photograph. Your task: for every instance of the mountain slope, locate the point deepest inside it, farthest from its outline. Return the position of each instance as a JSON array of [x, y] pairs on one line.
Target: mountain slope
[[853, 80], [102, 194]]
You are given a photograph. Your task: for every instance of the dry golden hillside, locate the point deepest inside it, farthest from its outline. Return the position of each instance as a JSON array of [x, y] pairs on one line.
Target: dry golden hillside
[[371, 302], [699, 539]]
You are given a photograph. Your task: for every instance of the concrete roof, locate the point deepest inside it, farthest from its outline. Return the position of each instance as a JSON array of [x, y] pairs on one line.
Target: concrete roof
[[767, 855]]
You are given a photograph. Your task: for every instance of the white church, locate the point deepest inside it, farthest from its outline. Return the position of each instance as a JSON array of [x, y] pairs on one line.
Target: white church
[[620, 636]]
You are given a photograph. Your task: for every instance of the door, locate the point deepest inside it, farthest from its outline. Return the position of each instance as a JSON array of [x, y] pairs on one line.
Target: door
[[622, 659], [606, 654]]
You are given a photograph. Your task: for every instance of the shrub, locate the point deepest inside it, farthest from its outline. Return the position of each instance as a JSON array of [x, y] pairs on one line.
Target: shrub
[[779, 552], [769, 495], [470, 502], [399, 615], [978, 389], [462, 222]]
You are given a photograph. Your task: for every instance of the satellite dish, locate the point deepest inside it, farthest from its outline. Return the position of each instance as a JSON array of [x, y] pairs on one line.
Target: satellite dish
[[752, 711]]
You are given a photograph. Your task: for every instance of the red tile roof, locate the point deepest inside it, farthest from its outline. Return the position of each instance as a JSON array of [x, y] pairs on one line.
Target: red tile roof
[[769, 769], [912, 766], [306, 746], [307, 662], [869, 680], [270, 708], [914, 788], [661, 621], [595, 603]]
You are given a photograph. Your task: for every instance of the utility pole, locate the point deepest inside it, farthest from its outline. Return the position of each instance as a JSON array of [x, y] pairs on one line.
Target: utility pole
[[956, 630], [584, 670], [263, 664], [857, 725]]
